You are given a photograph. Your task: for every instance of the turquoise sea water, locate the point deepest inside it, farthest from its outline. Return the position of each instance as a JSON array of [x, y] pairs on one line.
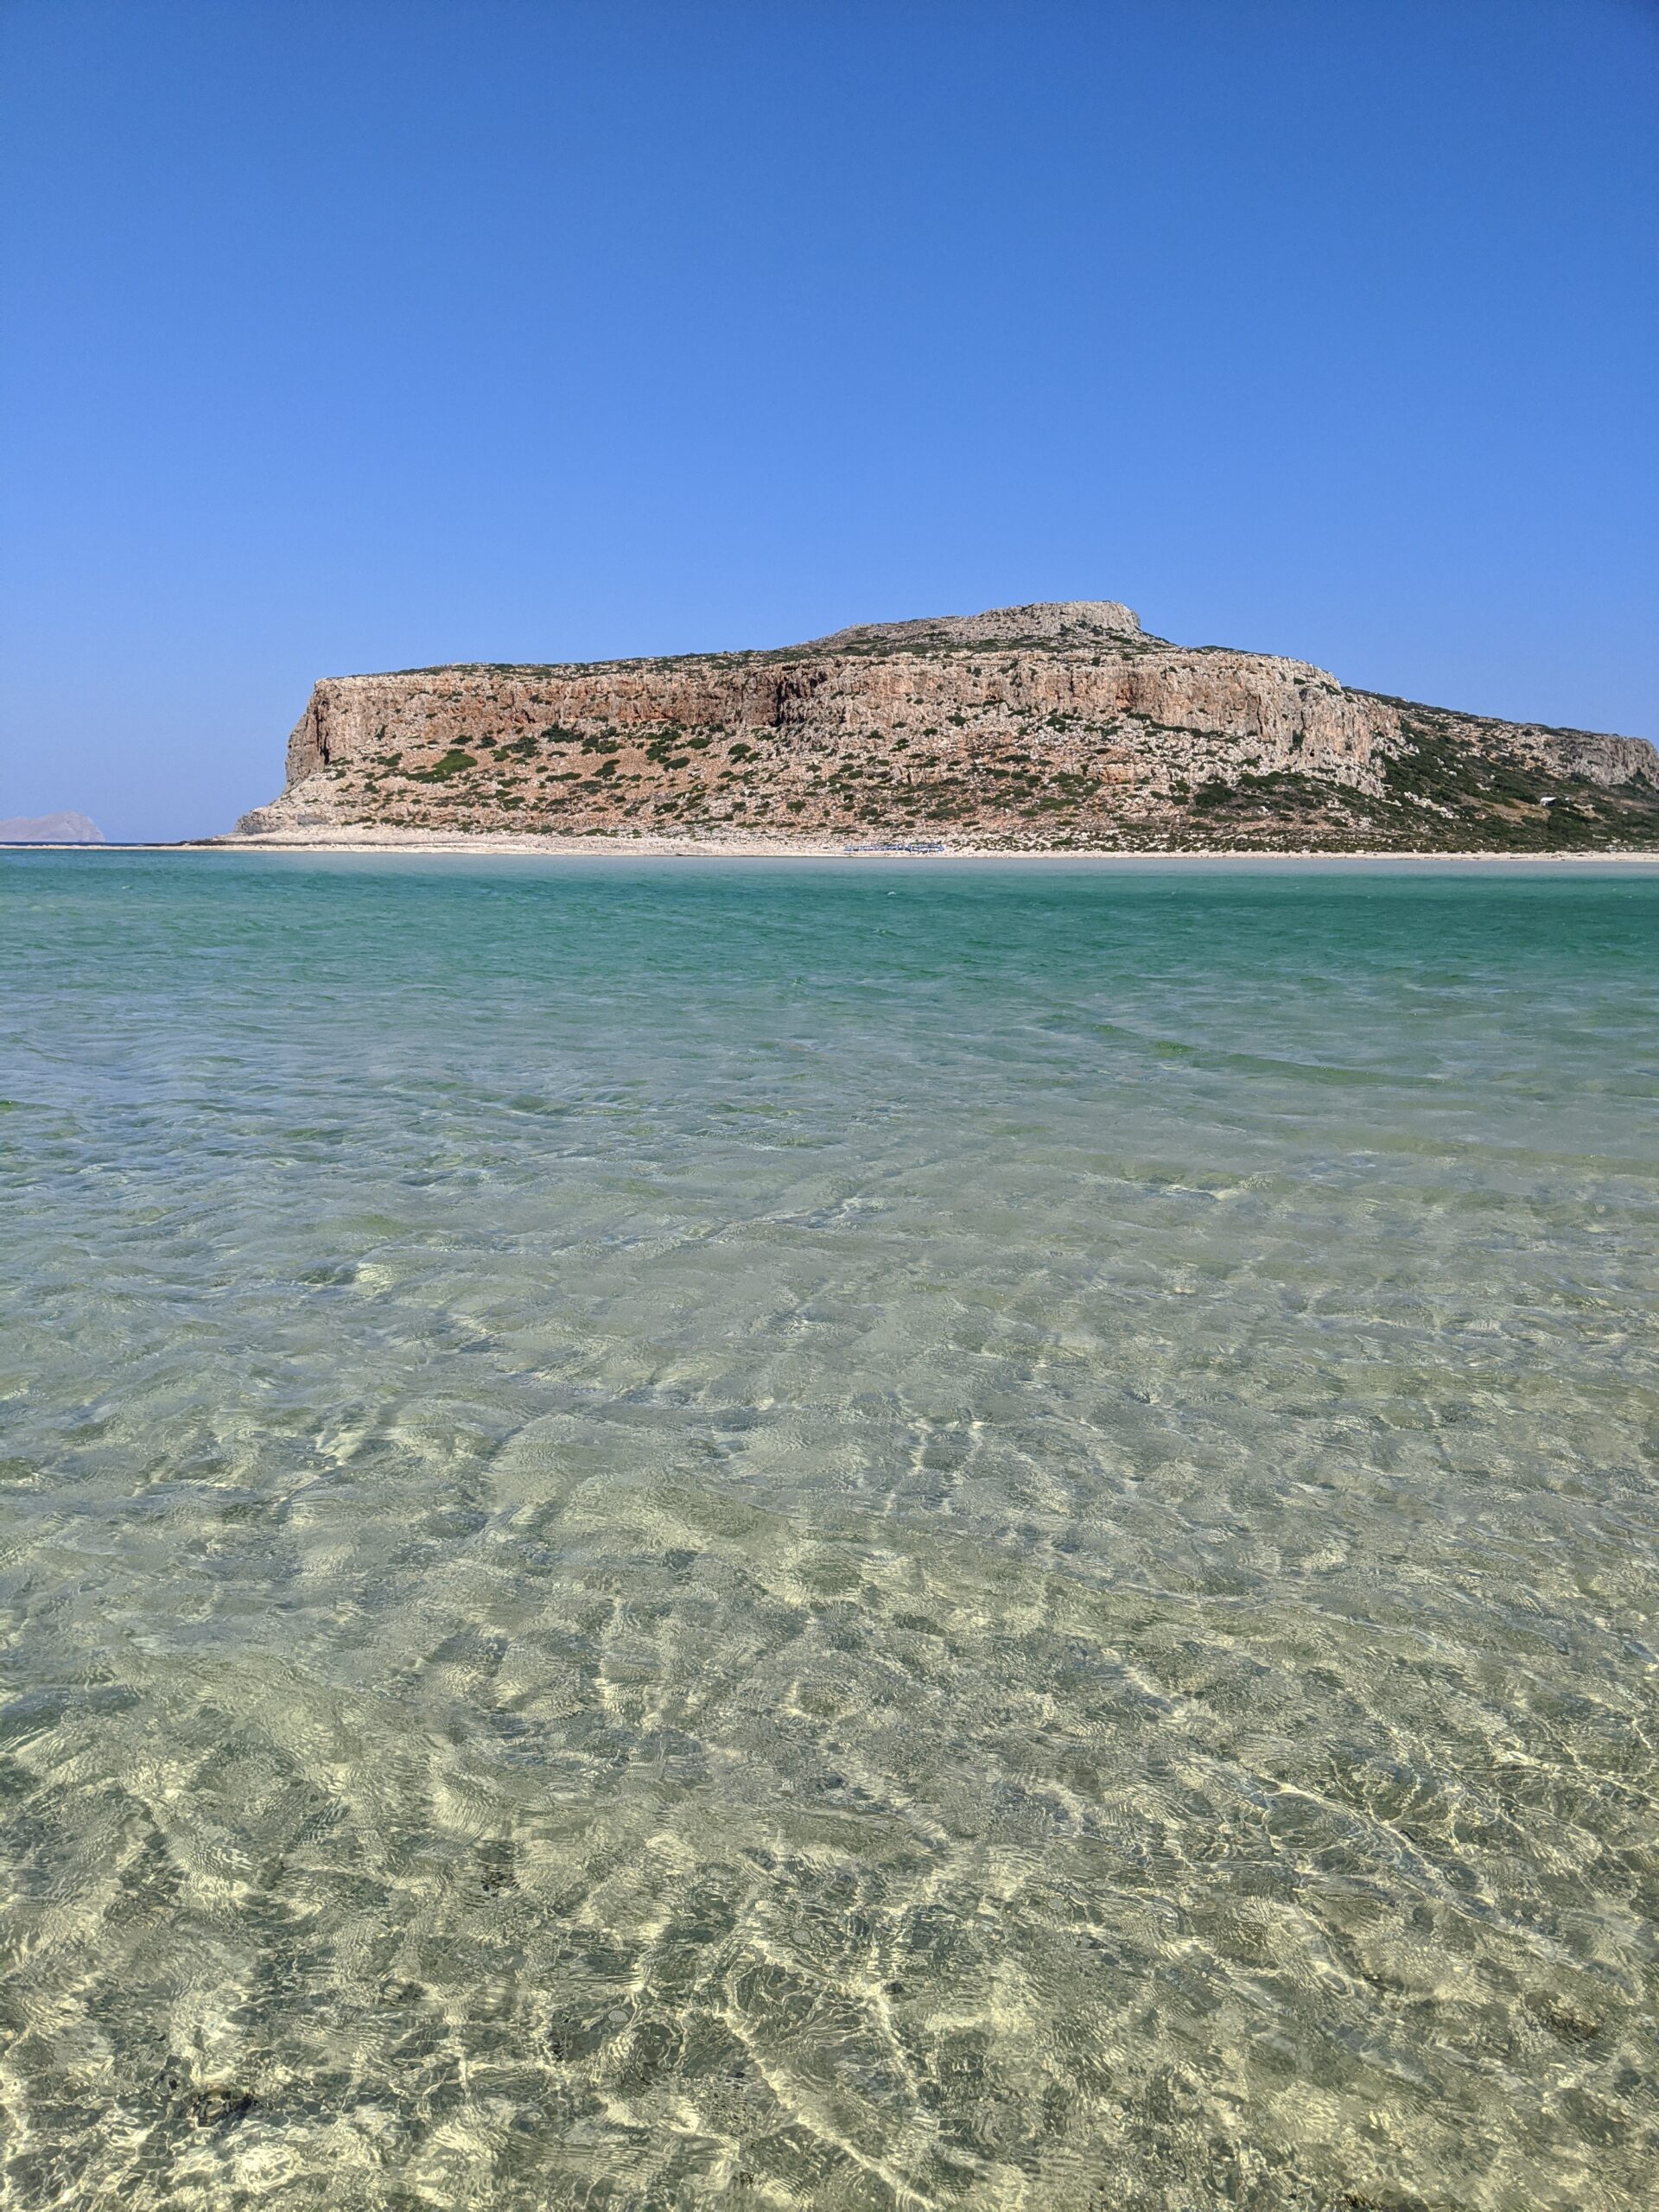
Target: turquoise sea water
[[855, 1536]]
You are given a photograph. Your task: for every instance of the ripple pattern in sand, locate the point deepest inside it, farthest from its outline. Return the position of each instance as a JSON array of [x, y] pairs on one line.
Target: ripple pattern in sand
[[874, 1538]]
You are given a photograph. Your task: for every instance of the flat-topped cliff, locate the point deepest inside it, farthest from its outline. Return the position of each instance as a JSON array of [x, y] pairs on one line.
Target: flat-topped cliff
[[1059, 724]]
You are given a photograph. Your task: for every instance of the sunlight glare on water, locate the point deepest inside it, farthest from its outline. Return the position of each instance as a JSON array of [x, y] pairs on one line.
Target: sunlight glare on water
[[866, 1535]]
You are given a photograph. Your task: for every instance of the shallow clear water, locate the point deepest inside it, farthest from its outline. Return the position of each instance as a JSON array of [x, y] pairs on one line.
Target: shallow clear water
[[859, 1535]]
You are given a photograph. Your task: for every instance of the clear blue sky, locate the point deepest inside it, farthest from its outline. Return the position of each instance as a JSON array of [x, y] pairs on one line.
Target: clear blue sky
[[357, 335]]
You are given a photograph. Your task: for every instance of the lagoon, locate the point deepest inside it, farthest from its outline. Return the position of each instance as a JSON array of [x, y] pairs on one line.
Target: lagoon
[[879, 1534]]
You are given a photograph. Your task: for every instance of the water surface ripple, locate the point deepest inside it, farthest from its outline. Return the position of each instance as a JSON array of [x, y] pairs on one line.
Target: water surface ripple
[[856, 1536]]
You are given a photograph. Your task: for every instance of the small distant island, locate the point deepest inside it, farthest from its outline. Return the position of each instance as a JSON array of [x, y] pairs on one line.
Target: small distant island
[[1052, 728], [67, 827]]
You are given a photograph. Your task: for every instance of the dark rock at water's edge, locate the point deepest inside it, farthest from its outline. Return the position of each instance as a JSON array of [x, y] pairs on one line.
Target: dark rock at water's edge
[[65, 828], [1061, 727]]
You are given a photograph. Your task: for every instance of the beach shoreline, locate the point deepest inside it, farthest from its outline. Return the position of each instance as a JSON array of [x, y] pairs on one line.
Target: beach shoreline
[[483, 844]]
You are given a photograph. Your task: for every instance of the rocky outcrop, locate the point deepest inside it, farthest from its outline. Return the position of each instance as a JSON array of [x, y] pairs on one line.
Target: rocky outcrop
[[1045, 622], [1052, 724]]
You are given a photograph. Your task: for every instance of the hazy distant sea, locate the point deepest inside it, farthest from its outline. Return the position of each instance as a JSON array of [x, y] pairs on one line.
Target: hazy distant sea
[[875, 1535]]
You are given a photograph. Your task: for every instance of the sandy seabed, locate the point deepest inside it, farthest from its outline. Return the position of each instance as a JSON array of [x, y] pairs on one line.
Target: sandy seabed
[[890, 1538]]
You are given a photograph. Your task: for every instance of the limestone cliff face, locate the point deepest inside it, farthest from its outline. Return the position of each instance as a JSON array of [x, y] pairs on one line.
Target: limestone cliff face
[[1036, 725]]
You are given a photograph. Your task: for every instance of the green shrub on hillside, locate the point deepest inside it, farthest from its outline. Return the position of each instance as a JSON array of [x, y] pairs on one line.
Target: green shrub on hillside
[[454, 763]]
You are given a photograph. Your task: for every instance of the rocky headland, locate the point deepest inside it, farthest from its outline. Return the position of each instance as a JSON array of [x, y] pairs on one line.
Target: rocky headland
[[1055, 728]]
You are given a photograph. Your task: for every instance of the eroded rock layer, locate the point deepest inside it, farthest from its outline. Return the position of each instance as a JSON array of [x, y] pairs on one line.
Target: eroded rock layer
[[1057, 725]]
